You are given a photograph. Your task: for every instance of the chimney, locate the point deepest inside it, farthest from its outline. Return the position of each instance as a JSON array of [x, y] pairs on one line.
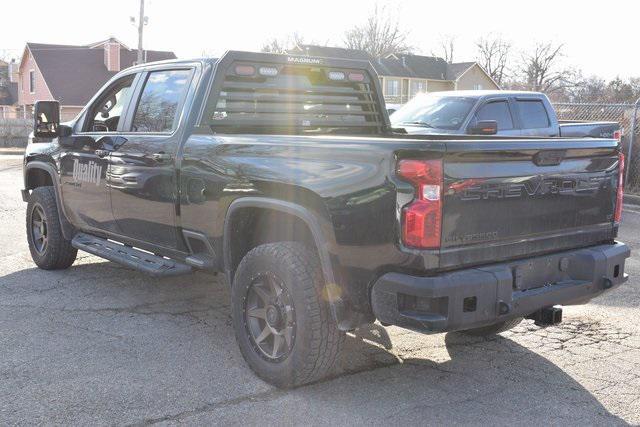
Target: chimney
[[14, 70], [112, 55]]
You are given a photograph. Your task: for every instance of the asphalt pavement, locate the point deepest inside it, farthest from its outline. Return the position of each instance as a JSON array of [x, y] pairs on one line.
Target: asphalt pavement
[[99, 344]]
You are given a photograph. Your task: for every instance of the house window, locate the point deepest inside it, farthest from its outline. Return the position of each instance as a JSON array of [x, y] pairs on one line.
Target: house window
[[393, 87], [477, 86], [32, 81], [418, 86]]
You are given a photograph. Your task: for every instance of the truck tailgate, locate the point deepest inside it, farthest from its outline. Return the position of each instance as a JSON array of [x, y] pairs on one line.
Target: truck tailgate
[[510, 199]]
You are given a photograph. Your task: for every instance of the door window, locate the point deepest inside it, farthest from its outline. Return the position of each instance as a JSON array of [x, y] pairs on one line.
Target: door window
[[157, 110], [533, 114], [498, 111], [104, 115]]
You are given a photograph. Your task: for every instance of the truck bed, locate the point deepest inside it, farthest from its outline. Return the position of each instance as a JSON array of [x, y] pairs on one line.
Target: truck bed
[[580, 129]]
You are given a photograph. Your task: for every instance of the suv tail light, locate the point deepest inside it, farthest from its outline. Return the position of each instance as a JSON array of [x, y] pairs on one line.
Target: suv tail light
[[422, 218], [617, 216]]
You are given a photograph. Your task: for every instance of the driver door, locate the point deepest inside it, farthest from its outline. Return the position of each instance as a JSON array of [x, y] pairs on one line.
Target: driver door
[[85, 160]]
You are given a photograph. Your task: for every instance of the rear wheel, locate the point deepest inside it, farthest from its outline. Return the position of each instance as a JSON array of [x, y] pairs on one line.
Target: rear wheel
[[283, 326], [49, 249], [493, 329]]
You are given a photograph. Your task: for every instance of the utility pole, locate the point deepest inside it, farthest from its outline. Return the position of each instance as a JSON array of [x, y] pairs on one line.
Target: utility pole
[[140, 31]]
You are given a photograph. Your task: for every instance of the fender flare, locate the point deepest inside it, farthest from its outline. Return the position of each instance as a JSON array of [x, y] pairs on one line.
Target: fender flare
[[68, 230], [322, 244]]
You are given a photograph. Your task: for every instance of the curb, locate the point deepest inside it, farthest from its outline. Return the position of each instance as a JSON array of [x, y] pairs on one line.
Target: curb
[[632, 199], [11, 151]]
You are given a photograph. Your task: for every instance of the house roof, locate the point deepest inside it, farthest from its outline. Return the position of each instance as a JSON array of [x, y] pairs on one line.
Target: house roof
[[329, 52], [399, 65], [412, 66], [457, 69], [74, 73]]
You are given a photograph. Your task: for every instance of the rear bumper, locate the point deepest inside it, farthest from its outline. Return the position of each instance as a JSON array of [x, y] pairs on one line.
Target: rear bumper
[[482, 296]]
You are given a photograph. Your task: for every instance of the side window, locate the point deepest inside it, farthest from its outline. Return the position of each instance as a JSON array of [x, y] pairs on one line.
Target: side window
[[498, 111], [533, 114], [104, 114], [157, 110]]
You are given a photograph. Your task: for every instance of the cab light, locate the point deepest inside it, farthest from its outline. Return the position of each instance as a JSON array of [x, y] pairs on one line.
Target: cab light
[[422, 218], [268, 71], [617, 216], [245, 70]]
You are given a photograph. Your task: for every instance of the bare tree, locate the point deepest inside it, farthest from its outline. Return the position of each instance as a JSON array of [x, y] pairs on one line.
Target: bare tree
[[5, 56], [542, 70], [380, 35], [446, 48], [494, 55], [282, 45]]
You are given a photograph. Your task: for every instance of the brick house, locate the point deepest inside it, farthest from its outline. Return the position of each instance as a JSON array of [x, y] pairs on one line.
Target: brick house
[[73, 74], [402, 76]]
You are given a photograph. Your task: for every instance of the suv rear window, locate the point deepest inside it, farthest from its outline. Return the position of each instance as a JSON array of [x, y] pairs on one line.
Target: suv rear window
[[533, 114]]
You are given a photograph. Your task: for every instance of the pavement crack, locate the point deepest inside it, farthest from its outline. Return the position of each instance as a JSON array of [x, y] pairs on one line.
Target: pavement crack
[[210, 407]]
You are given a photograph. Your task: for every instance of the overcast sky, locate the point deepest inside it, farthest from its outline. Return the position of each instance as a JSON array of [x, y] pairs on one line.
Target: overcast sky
[[600, 37]]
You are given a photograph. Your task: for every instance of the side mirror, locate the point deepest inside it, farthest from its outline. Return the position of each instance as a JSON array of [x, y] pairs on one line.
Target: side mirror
[[483, 127], [46, 117]]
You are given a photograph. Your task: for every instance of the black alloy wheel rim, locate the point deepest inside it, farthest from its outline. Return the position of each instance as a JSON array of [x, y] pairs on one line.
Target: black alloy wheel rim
[[269, 317], [39, 232]]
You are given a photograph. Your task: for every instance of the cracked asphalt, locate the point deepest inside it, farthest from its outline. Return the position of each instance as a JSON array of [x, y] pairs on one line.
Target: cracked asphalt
[[101, 345]]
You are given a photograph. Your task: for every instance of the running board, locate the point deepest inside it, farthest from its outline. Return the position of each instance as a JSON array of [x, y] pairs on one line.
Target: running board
[[138, 260]]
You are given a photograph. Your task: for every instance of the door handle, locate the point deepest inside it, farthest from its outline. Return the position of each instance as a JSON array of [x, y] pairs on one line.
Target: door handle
[[161, 157], [102, 153]]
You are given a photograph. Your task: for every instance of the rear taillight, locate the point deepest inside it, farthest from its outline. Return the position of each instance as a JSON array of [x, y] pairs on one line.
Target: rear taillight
[[422, 218], [617, 135], [617, 216], [245, 70]]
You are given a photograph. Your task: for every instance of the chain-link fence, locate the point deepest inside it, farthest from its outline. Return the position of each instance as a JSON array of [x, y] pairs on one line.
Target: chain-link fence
[[626, 115]]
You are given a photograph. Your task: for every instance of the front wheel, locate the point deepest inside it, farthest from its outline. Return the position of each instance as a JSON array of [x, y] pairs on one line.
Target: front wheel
[[49, 249], [283, 326]]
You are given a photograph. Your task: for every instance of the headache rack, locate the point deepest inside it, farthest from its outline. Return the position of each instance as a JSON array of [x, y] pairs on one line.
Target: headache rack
[[269, 93]]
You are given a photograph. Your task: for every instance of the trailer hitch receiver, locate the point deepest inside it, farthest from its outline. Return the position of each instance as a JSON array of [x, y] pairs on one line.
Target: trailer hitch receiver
[[547, 316]]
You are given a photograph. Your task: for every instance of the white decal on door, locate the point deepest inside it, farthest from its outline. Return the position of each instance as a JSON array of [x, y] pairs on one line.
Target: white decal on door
[[87, 172]]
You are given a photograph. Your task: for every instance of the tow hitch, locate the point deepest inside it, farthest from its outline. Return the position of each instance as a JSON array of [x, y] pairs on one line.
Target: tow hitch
[[547, 316]]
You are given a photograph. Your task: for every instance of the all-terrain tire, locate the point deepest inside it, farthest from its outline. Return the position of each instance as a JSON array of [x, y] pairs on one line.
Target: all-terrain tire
[[53, 252], [493, 329], [316, 339]]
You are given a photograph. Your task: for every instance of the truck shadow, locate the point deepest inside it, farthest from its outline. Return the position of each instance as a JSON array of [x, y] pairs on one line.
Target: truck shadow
[[114, 323]]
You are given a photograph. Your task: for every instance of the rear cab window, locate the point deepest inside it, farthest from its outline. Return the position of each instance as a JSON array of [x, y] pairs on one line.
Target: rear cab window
[[533, 114], [158, 107], [265, 93]]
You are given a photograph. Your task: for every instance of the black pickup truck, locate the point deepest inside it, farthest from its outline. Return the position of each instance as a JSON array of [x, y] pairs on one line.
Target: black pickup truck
[[284, 173]]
